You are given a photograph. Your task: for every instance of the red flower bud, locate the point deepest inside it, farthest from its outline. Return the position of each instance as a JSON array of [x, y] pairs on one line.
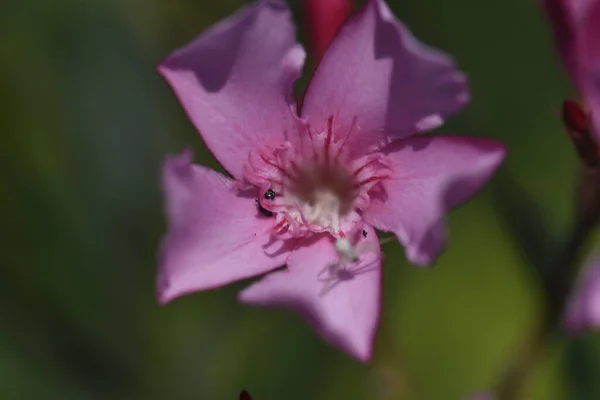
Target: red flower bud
[[245, 395], [324, 18], [579, 129]]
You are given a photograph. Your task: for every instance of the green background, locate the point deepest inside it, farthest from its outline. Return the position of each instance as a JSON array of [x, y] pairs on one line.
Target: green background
[[85, 122]]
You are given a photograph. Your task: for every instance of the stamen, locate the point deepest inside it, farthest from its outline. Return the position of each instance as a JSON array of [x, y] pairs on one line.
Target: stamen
[[369, 180], [328, 139], [318, 189], [365, 165]]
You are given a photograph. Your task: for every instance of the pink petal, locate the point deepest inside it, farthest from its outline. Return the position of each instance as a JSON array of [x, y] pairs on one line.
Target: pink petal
[[576, 27], [235, 81], [431, 175], [565, 15], [343, 308], [590, 68], [583, 310], [215, 235], [379, 83]]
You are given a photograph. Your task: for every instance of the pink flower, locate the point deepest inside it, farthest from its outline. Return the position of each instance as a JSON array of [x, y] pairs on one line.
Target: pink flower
[[583, 309], [307, 191], [576, 27]]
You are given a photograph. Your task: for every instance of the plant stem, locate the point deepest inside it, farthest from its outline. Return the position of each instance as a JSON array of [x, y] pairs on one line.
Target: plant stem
[[393, 378], [557, 287]]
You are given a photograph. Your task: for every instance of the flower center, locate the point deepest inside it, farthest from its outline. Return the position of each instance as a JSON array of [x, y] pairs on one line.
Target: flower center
[[316, 187], [323, 192]]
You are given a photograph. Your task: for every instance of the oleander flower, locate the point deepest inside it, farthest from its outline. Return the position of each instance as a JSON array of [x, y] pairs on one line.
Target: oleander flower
[[576, 28], [308, 189]]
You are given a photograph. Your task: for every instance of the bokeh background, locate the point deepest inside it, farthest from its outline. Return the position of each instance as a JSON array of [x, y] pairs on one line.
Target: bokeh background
[[85, 122]]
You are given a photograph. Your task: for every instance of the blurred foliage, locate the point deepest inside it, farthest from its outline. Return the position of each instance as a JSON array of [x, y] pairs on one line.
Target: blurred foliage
[[85, 122]]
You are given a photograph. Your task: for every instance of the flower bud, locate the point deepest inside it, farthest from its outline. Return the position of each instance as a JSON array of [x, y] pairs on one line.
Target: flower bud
[[579, 129]]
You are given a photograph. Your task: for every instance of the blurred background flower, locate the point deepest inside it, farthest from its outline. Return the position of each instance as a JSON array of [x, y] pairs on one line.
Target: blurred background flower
[[85, 123]]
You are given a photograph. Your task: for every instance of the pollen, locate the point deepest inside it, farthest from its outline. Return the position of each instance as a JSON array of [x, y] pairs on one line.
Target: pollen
[[324, 193]]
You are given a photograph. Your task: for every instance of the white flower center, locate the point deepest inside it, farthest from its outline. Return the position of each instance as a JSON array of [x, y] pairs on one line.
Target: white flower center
[[324, 209], [317, 187], [322, 194]]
